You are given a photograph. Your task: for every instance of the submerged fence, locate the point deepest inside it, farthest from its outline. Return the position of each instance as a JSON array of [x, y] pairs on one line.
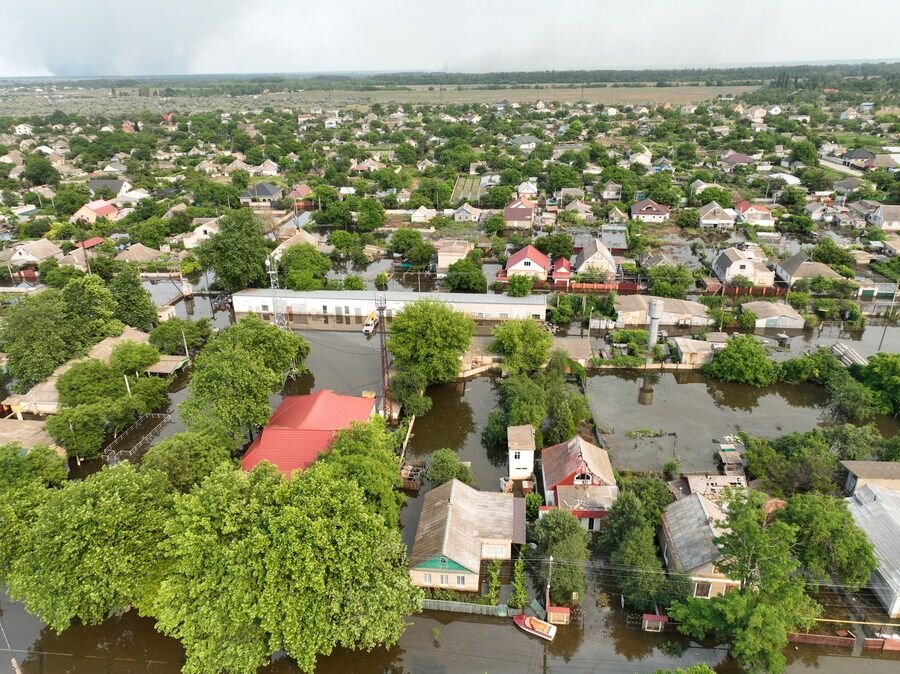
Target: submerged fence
[[501, 611]]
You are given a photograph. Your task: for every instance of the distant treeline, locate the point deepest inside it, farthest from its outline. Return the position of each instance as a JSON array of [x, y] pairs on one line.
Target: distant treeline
[[237, 85]]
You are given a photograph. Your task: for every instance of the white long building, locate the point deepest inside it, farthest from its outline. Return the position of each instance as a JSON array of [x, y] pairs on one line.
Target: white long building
[[352, 306]]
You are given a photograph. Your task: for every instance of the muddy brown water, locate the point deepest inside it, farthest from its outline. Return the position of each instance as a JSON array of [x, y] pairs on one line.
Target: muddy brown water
[[603, 640]]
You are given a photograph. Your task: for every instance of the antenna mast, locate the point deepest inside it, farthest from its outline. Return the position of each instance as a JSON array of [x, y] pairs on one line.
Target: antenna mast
[[381, 305]]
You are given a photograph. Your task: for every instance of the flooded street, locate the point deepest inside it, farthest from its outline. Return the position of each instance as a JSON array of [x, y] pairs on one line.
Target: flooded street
[[696, 410]]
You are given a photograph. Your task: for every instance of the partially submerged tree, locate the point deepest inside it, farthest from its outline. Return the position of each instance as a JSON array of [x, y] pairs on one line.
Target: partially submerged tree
[[430, 337]]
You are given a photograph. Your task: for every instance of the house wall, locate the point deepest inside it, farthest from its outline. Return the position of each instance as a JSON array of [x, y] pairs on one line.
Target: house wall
[[647, 217], [434, 577], [639, 317], [887, 595], [531, 269], [523, 467], [518, 224], [783, 322]]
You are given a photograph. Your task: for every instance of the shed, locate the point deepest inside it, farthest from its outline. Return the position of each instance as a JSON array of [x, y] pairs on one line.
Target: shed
[[693, 352], [774, 315]]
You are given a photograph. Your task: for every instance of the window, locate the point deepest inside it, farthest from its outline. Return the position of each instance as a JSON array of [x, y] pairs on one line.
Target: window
[[517, 455], [590, 523], [582, 478], [265, 308], [526, 263], [445, 580], [461, 581], [702, 590], [426, 578], [504, 315], [493, 551]]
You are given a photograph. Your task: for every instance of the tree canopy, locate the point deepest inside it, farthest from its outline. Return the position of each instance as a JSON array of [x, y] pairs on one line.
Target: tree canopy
[[743, 360], [187, 458], [430, 337], [237, 254], [170, 336], [524, 345], [133, 304], [445, 466]]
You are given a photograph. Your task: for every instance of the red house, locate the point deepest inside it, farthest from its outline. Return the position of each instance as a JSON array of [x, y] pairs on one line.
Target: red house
[[562, 271], [302, 196], [579, 478], [303, 427], [90, 243]]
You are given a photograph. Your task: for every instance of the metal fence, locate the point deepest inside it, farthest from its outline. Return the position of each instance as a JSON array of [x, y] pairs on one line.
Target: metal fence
[[124, 446], [501, 611]]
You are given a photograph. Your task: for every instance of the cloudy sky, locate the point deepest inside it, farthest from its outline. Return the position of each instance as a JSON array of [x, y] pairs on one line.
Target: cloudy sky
[[112, 37]]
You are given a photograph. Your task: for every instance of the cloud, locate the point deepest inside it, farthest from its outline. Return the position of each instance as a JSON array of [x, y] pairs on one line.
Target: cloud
[[97, 37]]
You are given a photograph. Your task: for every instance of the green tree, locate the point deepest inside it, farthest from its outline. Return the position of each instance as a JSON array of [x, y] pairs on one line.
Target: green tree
[[407, 387], [370, 216], [445, 466], [366, 452], [466, 275], [187, 458], [430, 337], [404, 239], [743, 360], [641, 579], [519, 597], [771, 601], [420, 255], [39, 464], [524, 345], [170, 336], [129, 357], [94, 548], [39, 171], [271, 571], [831, 548], [689, 217], [559, 245], [55, 276], [805, 151], [670, 280], [36, 338], [625, 516], [70, 197], [88, 382], [533, 503], [81, 430], [519, 285], [353, 282], [89, 311], [134, 306], [237, 254], [883, 375], [558, 534], [304, 267], [653, 493]]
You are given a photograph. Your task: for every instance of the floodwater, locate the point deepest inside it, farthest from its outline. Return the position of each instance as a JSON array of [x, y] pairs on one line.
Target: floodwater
[[600, 640]]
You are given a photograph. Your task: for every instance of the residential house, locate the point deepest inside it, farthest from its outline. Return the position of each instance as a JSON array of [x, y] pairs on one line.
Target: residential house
[[30, 253], [467, 213], [204, 228], [615, 214], [614, 237], [649, 260], [581, 209], [611, 191], [755, 214], [734, 160], [519, 214], [528, 261], [884, 474], [713, 216], [648, 210], [261, 193], [562, 271], [578, 478], [693, 352], [301, 237], [524, 143], [23, 129], [423, 214], [520, 446], [848, 185], [876, 510], [687, 539], [302, 196], [858, 158], [799, 266], [733, 262], [268, 168], [450, 251], [93, 210], [632, 311], [774, 315], [117, 187], [459, 529], [139, 253], [303, 427], [115, 167], [424, 164], [567, 194], [527, 190], [595, 260], [886, 217]]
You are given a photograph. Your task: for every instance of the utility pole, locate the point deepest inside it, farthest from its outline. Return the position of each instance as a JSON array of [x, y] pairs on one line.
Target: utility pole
[[549, 576], [380, 306], [278, 317], [888, 317]]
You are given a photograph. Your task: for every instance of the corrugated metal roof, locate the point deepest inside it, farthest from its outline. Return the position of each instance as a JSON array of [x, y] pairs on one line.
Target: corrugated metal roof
[[560, 461], [691, 524], [395, 296], [876, 510]]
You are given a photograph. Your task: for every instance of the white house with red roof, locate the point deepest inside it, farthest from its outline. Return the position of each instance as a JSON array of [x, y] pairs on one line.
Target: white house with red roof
[[303, 427], [578, 478], [755, 214], [93, 210], [647, 210], [562, 270], [528, 261]]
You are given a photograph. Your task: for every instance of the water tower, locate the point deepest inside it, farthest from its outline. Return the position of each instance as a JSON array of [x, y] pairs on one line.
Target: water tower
[[655, 312]]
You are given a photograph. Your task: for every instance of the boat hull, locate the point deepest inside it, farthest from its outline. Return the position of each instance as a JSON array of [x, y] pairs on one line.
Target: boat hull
[[525, 623]]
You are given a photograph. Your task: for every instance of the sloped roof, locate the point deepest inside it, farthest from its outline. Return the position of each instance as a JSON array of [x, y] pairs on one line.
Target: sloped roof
[[267, 190], [691, 524], [628, 303], [303, 427], [771, 310], [648, 207], [456, 518], [138, 252], [560, 461], [587, 500], [531, 253], [592, 253], [874, 470]]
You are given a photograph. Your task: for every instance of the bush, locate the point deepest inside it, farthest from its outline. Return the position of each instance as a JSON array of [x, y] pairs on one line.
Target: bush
[[533, 503], [519, 286], [743, 360], [445, 466]]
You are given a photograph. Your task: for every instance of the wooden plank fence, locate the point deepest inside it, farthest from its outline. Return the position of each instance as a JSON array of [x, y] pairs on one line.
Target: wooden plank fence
[[501, 611]]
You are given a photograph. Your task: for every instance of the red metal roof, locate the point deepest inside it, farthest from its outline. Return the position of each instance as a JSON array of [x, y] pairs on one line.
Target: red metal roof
[[90, 243], [303, 427], [561, 267], [531, 253], [745, 205]]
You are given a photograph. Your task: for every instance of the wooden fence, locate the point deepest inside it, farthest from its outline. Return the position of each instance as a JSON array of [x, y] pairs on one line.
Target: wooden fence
[[501, 611]]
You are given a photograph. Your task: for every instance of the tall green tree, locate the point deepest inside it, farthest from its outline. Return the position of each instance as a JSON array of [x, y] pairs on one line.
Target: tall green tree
[[304, 267], [466, 276], [366, 452], [94, 548], [445, 466], [558, 534], [89, 311], [743, 360], [237, 254], [883, 375], [300, 566], [640, 574], [170, 336], [524, 345], [187, 458], [134, 306], [370, 216], [831, 548], [625, 515], [430, 337]]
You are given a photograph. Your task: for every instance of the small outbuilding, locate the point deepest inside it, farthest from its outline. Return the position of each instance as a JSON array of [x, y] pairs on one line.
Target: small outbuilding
[[774, 315]]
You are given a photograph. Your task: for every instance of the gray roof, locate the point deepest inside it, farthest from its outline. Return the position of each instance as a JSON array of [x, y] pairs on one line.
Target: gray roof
[[792, 264], [874, 470], [115, 186], [628, 303], [771, 310], [691, 524], [456, 518], [520, 437], [876, 510], [262, 190], [595, 254], [398, 296]]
